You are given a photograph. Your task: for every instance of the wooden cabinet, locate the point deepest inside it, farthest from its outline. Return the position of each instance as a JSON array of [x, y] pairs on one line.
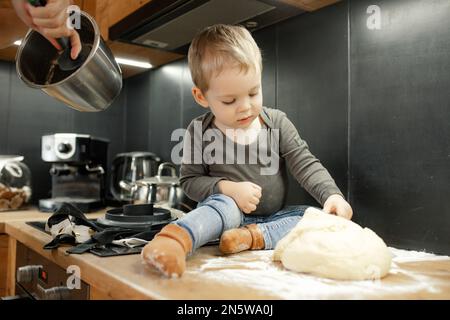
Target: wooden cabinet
[[3, 263], [107, 13], [310, 5], [7, 265], [12, 28]]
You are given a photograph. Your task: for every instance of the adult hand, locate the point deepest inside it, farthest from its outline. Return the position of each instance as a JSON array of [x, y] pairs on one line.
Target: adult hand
[[50, 21]]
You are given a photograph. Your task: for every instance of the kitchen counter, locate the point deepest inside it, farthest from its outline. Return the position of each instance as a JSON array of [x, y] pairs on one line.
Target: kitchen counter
[[249, 275], [27, 214]]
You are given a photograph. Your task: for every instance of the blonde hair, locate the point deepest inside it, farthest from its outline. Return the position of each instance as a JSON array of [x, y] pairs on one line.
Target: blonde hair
[[217, 46]]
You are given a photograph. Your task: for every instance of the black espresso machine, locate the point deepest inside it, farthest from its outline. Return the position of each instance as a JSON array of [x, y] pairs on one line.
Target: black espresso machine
[[78, 171]]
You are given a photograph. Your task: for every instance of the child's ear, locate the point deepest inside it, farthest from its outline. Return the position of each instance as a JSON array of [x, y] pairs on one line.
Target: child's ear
[[199, 97]]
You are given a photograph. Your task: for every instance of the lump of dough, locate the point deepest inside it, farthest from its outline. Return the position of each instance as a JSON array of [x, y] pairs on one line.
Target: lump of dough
[[333, 247]]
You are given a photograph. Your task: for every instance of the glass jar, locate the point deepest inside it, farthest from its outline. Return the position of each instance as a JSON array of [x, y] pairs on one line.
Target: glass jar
[[15, 183]]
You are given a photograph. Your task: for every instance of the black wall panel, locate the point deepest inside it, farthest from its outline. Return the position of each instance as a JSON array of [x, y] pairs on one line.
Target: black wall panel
[[400, 128], [136, 116], [267, 42], [312, 88], [165, 108], [5, 84]]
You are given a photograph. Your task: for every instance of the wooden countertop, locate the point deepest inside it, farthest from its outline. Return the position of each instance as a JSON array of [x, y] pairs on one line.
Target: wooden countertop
[[27, 214], [249, 275]]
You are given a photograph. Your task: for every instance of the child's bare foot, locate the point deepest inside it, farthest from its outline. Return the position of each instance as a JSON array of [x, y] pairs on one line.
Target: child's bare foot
[[168, 250], [241, 239]]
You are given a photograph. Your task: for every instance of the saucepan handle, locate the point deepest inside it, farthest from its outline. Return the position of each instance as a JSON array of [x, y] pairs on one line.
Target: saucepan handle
[[151, 193], [167, 165]]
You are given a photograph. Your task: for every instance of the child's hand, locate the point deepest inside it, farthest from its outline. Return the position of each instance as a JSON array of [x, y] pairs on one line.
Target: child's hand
[[245, 194], [336, 204]]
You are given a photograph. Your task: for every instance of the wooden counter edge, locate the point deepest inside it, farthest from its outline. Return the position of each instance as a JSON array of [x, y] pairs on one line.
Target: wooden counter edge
[[104, 284]]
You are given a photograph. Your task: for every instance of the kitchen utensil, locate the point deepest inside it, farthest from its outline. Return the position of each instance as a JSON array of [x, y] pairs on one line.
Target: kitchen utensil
[[161, 189], [129, 167], [91, 87], [136, 217]]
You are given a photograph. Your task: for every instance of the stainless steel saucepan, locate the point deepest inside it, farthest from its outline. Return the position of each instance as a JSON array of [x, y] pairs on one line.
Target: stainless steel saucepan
[[91, 87], [160, 190]]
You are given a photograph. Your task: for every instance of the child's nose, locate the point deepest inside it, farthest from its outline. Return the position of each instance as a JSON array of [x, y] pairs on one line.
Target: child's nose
[[244, 106]]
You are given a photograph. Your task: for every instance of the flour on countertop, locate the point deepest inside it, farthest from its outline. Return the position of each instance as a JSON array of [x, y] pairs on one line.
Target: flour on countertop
[[415, 256], [255, 269]]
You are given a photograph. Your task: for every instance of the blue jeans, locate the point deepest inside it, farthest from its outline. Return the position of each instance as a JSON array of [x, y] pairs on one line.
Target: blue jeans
[[219, 213]]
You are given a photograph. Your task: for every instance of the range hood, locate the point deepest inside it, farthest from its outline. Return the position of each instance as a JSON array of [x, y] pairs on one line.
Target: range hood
[[170, 25]]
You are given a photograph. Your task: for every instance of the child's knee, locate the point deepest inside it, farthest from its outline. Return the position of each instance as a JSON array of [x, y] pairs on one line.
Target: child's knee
[[227, 209]]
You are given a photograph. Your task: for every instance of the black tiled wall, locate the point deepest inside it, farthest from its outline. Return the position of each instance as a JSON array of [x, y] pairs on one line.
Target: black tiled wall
[[400, 128], [312, 86]]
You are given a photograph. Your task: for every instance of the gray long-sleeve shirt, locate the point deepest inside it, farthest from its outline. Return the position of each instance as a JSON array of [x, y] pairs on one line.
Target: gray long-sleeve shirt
[[279, 141]]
